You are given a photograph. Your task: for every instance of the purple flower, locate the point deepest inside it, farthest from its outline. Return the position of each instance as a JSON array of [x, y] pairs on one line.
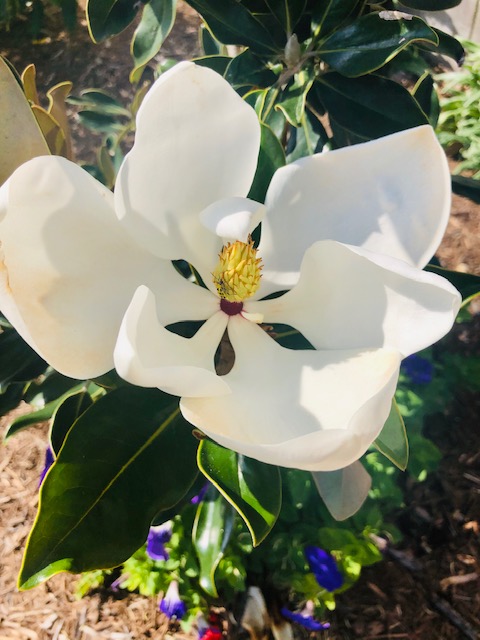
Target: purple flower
[[324, 567], [171, 605], [157, 537], [418, 369], [49, 460], [307, 621], [201, 494]]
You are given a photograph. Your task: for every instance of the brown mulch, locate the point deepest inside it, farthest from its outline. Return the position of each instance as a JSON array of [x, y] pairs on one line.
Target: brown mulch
[[426, 589]]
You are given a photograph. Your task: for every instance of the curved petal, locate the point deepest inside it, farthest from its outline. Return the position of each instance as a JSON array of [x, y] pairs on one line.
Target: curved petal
[[149, 355], [197, 142], [349, 298], [312, 410], [68, 269], [233, 218], [345, 490], [391, 196]]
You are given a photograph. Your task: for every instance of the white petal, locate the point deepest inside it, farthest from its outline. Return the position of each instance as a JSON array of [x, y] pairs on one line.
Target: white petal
[[68, 269], [197, 142], [350, 298], [312, 410], [233, 218], [390, 195], [149, 355], [345, 490]]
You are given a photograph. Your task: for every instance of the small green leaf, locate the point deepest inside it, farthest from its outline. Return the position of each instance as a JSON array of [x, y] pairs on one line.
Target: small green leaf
[[101, 122], [270, 158], [368, 43], [129, 456], [393, 441], [65, 414], [99, 101], [107, 18], [156, 23], [306, 139], [247, 69], [447, 46], [293, 99], [253, 488], [210, 45], [216, 63], [466, 187], [211, 532]]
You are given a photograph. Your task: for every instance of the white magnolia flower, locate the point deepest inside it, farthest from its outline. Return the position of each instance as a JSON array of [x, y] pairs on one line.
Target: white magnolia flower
[[85, 272]]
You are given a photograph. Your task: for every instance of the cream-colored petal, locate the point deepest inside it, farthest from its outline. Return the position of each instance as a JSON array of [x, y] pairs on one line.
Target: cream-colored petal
[[345, 490], [233, 218], [391, 196], [350, 298], [68, 269], [197, 142], [312, 410], [148, 355]]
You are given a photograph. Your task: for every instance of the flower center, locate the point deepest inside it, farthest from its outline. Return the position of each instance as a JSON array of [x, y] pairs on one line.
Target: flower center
[[238, 272]]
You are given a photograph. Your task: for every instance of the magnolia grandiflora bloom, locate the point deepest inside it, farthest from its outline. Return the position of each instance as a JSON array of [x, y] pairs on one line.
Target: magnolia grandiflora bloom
[[344, 236]]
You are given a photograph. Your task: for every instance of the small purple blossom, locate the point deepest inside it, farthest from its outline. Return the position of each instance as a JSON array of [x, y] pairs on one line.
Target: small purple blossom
[[49, 460], [201, 494], [418, 369], [157, 537], [324, 567], [306, 621], [171, 605]]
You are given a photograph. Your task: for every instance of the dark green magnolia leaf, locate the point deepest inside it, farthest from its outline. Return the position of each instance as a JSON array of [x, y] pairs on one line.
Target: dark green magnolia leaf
[[210, 45], [292, 103], [107, 18], [101, 122], [247, 69], [270, 158], [216, 63], [51, 386], [393, 441], [308, 138], [253, 488], [425, 94], [157, 21], [369, 107], [466, 187], [447, 46], [431, 5], [41, 415], [65, 415], [327, 16], [18, 361], [211, 532], [128, 457], [10, 397], [99, 101], [369, 42], [467, 283], [232, 23], [287, 12]]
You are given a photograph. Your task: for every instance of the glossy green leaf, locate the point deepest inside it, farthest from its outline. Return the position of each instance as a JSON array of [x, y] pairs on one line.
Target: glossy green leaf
[[232, 23], [308, 138], [467, 283], [393, 441], [466, 187], [99, 101], [107, 18], [447, 46], [369, 107], [329, 15], [101, 122], [425, 94], [216, 63], [287, 12], [156, 23], [10, 397], [368, 43], [125, 459], [247, 69], [18, 361], [65, 414], [20, 136], [211, 532], [270, 158], [210, 45], [253, 488], [292, 103]]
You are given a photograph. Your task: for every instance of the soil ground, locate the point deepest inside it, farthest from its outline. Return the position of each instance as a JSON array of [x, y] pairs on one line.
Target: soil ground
[[426, 589]]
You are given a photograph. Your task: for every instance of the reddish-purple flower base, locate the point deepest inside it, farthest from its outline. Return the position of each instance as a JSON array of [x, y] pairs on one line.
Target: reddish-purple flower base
[[231, 308]]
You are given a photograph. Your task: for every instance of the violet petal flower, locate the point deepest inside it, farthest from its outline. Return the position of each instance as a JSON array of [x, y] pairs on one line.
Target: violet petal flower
[[308, 622], [157, 537], [49, 460], [418, 369], [171, 605], [324, 567]]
